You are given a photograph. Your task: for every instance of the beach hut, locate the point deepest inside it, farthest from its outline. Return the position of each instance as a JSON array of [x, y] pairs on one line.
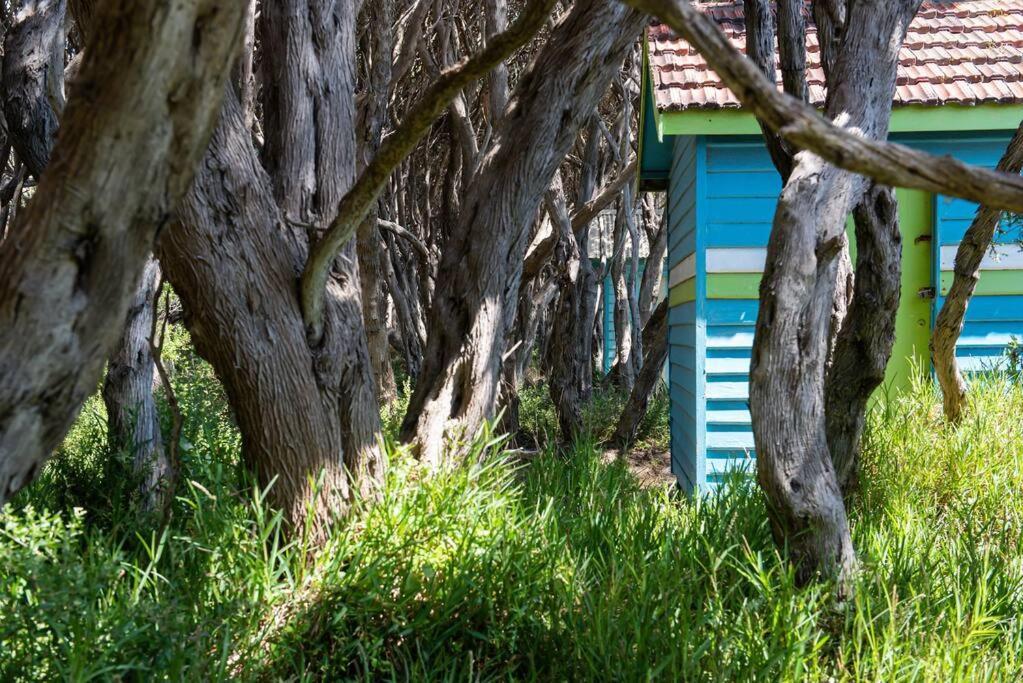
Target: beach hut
[[960, 93]]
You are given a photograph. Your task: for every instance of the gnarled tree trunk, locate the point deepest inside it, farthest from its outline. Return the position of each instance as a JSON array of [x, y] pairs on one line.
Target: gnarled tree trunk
[[34, 70], [33, 80], [71, 264], [797, 294], [864, 344], [307, 414], [478, 278]]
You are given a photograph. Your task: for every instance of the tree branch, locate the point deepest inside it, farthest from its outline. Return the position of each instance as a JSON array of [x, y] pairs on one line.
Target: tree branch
[[588, 211], [357, 202], [802, 126]]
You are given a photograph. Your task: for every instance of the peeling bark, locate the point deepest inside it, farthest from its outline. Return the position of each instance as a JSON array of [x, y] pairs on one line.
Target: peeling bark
[[33, 80], [566, 359], [368, 240], [307, 414], [132, 418]]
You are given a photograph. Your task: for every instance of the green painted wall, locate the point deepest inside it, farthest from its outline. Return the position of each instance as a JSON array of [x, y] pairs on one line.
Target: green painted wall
[[913, 324]]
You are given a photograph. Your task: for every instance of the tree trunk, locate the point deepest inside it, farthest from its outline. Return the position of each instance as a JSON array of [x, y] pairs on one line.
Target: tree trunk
[[33, 80], [655, 341], [572, 331], [35, 72], [478, 278], [132, 418], [949, 324], [790, 348], [307, 415], [71, 264], [864, 345], [567, 358], [368, 238], [624, 367], [650, 287]]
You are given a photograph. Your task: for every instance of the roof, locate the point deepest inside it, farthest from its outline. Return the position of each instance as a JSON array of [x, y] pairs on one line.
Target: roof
[[966, 52]]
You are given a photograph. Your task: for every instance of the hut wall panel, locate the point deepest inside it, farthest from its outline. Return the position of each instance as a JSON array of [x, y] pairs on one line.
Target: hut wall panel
[[686, 331]]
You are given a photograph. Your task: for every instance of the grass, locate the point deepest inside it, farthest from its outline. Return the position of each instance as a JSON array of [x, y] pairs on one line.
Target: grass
[[560, 569]]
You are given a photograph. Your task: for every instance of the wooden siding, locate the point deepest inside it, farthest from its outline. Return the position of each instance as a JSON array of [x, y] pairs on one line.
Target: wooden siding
[[722, 198], [686, 331], [995, 315]]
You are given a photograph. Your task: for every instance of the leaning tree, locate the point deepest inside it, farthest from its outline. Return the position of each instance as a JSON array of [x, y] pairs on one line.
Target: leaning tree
[[146, 96], [789, 394]]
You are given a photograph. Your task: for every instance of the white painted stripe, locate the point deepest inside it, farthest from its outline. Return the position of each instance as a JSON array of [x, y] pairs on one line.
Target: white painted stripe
[[683, 270], [1001, 257], [730, 440], [743, 260], [724, 391], [728, 366], [728, 417], [743, 340]]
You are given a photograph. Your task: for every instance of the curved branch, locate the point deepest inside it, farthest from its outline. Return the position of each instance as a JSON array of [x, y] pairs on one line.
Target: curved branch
[[357, 202], [802, 126], [588, 211]]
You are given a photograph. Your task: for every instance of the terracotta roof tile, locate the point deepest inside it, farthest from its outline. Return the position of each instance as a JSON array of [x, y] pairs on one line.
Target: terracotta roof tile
[[956, 52]]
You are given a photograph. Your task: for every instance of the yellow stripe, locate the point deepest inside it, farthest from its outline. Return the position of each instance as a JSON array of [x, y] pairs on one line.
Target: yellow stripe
[[683, 293]]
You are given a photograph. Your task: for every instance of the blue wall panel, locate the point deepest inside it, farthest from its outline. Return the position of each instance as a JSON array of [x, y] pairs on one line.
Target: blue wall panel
[[723, 194], [685, 326]]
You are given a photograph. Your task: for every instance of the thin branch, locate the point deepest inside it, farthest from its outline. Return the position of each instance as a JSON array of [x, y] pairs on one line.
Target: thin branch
[[802, 126], [177, 420], [357, 202], [409, 237]]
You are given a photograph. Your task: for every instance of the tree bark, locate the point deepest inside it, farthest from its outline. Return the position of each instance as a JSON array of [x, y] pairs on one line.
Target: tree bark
[[949, 324], [478, 278], [33, 80], [148, 93], [307, 412], [793, 330], [650, 287], [566, 360], [570, 361], [864, 345], [655, 341], [132, 418], [368, 240], [624, 370]]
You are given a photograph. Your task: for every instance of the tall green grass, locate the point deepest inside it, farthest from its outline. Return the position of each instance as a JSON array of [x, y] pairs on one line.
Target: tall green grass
[[560, 567]]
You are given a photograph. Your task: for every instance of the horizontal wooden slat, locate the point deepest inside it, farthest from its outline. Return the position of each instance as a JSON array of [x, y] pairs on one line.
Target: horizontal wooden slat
[[736, 260], [1000, 257], [684, 270]]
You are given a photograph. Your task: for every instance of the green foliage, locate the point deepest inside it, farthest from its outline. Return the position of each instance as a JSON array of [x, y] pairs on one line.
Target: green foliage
[[539, 422], [561, 567]]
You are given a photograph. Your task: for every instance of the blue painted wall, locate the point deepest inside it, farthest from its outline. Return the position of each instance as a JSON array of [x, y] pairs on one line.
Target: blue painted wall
[[722, 194], [686, 328]]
